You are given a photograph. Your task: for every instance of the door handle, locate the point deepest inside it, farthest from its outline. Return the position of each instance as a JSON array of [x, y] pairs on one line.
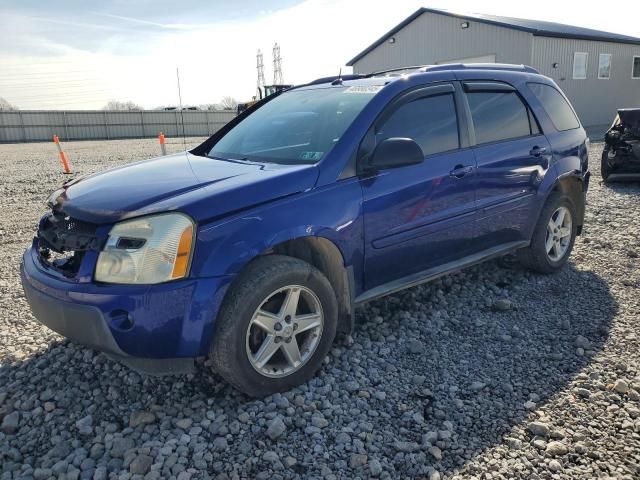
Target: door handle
[[538, 151], [460, 171]]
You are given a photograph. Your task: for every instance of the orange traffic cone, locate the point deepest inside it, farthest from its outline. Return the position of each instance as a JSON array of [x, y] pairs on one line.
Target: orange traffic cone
[[63, 156], [163, 147]]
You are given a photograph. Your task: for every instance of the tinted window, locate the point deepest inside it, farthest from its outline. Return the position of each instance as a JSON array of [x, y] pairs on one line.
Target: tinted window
[[636, 67], [299, 126], [498, 116], [431, 122], [556, 106]]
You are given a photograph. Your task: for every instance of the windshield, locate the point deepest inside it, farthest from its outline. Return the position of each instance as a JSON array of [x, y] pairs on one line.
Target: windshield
[[299, 126]]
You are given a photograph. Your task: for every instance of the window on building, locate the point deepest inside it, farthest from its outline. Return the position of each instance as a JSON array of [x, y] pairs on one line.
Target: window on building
[[580, 62], [604, 66], [430, 121], [498, 116], [636, 68], [554, 103]]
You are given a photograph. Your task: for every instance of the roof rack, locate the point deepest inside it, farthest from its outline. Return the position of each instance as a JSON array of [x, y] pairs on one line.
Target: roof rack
[[429, 68], [481, 66]]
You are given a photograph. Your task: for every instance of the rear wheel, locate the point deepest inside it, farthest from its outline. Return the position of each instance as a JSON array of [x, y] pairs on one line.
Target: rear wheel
[[605, 166], [553, 237], [275, 327]]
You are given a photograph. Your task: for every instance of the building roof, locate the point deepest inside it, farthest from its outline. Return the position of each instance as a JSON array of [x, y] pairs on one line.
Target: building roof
[[535, 27]]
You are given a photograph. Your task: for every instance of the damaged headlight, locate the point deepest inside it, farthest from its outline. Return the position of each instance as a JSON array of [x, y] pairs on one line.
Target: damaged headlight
[[147, 250]]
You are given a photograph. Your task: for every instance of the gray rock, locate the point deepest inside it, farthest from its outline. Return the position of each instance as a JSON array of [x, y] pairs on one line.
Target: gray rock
[[415, 346], [582, 342], [85, 425], [502, 305], [10, 422], [319, 422], [184, 423], [357, 460], [220, 444], [476, 386], [276, 428], [538, 428], [141, 418], [120, 446], [556, 449], [621, 386], [375, 467], [140, 464], [406, 446], [435, 452], [270, 456], [555, 465], [582, 392]]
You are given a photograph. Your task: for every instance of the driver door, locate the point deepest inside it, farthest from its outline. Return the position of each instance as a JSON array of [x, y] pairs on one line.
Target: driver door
[[419, 216]]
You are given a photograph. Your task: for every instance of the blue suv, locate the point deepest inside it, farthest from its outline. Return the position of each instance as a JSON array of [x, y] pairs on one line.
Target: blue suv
[[254, 248]]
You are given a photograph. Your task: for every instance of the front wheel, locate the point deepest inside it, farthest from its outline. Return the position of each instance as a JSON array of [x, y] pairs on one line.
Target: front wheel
[[553, 237], [275, 327]]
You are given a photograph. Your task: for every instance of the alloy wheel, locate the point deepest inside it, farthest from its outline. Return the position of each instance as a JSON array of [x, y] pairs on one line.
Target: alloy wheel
[[559, 231], [284, 331]]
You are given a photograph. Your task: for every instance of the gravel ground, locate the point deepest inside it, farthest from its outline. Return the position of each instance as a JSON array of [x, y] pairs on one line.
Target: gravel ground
[[490, 373]]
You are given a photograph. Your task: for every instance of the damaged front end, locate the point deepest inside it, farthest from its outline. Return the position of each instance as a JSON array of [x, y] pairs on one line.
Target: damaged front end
[[621, 154], [63, 241]]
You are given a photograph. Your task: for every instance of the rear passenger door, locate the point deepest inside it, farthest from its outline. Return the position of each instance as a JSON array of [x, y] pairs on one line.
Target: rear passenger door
[[419, 216], [512, 158]]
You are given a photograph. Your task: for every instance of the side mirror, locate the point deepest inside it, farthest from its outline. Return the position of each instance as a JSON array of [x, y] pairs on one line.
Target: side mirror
[[396, 152]]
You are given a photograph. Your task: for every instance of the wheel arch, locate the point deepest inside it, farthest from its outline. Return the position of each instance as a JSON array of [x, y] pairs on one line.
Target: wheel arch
[[325, 255], [571, 185]]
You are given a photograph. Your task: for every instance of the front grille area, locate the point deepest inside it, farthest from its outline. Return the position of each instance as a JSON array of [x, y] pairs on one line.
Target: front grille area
[[63, 240]]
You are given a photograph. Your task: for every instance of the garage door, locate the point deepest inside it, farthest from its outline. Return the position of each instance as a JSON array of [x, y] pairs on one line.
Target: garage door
[[481, 59]]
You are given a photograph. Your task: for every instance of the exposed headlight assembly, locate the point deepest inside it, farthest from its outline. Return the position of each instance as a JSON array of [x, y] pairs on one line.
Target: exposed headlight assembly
[[147, 250]]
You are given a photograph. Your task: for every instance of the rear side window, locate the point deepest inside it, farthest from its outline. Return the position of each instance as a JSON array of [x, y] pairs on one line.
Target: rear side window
[[498, 116], [430, 121], [559, 111]]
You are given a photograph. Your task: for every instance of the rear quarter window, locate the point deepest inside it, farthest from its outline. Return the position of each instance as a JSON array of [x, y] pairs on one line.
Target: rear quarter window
[[554, 103]]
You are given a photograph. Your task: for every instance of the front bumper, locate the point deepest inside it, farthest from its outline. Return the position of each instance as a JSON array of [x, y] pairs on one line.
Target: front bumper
[[150, 327]]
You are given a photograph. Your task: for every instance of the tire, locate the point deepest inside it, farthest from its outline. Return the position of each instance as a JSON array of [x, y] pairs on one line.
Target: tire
[[536, 256], [240, 331], [605, 168]]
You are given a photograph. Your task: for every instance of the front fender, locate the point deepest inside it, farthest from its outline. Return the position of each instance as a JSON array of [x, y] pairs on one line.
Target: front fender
[[333, 212]]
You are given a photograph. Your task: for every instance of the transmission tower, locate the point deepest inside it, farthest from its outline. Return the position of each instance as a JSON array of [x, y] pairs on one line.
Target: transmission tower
[[277, 65], [260, 66]]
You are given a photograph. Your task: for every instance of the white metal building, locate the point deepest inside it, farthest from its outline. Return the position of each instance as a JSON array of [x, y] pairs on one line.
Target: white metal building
[[598, 71]]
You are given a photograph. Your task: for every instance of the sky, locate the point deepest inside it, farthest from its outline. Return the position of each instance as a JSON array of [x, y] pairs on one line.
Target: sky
[[79, 54]]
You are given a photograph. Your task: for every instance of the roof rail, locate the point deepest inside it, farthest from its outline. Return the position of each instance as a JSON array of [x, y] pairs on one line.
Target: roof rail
[[397, 69], [480, 66], [351, 76]]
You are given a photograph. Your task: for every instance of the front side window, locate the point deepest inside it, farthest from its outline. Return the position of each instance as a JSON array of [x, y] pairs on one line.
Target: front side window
[[558, 109], [580, 62], [604, 66], [299, 126], [636, 68], [430, 121], [498, 116]]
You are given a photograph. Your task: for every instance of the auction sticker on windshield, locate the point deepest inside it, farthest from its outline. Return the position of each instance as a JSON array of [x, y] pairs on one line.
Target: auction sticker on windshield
[[364, 89]]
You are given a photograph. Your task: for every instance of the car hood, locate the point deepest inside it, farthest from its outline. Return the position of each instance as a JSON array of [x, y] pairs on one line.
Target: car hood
[[202, 187]]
